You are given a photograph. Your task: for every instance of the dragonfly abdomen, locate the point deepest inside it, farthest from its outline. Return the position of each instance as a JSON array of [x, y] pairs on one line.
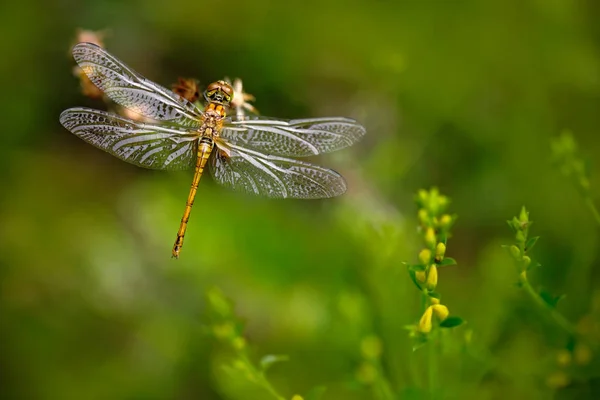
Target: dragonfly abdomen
[[205, 147]]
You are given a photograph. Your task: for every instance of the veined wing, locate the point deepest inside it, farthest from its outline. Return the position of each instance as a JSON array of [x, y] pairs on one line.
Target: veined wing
[[131, 90], [297, 138], [272, 176], [167, 147]]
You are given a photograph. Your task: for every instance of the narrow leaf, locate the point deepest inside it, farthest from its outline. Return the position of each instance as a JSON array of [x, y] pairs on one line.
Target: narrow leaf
[[447, 262], [416, 267], [531, 242], [451, 322], [435, 295], [549, 299], [316, 393], [270, 359], [413, 277]]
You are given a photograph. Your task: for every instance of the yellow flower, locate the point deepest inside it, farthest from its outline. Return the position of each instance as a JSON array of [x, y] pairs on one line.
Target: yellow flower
[[430, 239], [563, 358], [425, 256], [432, 277], [440, 251], [423, 216], [441, 311], [445, 221], [425, 322]]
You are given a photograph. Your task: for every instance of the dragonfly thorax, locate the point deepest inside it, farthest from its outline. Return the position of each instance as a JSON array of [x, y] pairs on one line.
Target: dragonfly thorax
[[219, 92]]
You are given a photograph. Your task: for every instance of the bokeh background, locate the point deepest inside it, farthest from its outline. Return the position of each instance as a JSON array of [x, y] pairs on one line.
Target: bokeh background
[[463, 95]]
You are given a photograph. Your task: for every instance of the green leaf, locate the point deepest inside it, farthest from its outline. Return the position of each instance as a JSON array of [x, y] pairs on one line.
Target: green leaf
[[531, 242], [267, 361], [549, 299], [451, 322], [511, 226], [316, 393], [416, 267], [435, 295], [524, 216], [413, 277], [447, 262], [419, 342]]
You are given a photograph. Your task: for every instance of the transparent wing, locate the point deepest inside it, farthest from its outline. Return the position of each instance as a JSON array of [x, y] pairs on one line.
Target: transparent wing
[[297, 138], [131, 90], [147, 145], [271, 176]]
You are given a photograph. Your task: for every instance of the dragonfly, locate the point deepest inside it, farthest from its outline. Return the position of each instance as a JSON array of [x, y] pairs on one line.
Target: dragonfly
[[249, 154]]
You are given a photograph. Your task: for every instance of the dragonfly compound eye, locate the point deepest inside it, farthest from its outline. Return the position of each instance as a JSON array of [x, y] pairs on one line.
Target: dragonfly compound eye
[[219, 92]]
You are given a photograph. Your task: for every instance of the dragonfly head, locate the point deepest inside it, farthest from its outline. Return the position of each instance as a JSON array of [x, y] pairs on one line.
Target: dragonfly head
[[219, 92]]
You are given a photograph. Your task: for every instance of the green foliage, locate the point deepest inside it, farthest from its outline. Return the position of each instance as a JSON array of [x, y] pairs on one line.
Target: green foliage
[[451, 322]]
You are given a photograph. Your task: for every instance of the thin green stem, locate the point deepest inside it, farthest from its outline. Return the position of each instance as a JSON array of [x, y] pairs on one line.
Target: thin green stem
[[590, 204], [554, 315], [260, 377], [382, 387], [433, 362]]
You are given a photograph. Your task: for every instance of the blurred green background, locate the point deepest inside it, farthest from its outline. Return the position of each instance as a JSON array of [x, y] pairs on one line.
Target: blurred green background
[[462, 95]]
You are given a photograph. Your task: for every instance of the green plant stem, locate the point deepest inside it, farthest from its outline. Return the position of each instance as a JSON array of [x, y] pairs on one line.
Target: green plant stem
[[433, 362], [590, 204], [382, 387], [261, 378], [554, 315]]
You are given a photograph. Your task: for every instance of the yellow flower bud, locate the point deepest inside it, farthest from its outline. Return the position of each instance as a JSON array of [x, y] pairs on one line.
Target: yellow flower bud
[[445, 221], [432, 277], [425, 256], [240, 365], [422, 195], [440, 251], [238, 343], [430, 239], [441, 311], [523, 216], [425, 321], [442, 201], [434, 300], [526, 261], [224, 331], [558, 380], [297, 397], [515, 252], [423, 216], [582, 354], [421, 276], [366, 373], [520, 236], [563, 358], [371, 347], [523, 276]]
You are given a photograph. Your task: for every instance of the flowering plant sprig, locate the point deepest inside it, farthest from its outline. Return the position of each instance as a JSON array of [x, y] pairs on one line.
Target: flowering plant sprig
[[572, 165], [434, 225], [520, 254], [227, 330]]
